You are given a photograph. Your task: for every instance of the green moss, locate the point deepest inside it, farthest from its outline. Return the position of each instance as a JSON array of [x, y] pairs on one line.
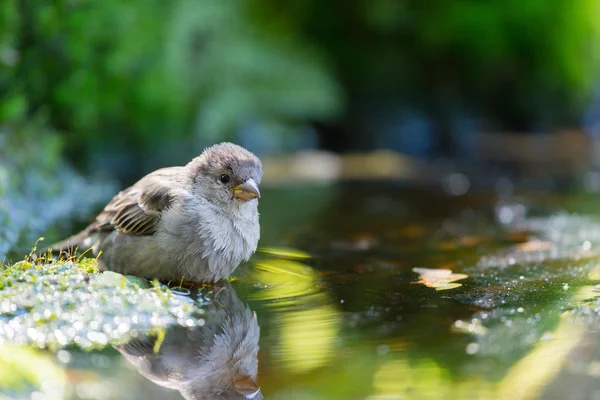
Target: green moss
[[50, 304]]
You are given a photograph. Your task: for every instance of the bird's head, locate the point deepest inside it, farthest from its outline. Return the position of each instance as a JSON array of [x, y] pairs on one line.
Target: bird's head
[[227, 174]]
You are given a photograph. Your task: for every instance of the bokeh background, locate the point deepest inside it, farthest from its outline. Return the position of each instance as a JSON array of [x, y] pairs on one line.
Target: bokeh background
[[94, 94], [467, 110]]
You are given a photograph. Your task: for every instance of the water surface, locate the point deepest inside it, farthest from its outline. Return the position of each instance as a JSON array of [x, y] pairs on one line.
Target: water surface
[[350, 305]]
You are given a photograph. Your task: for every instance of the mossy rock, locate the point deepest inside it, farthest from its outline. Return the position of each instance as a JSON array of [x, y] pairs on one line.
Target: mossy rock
[[52, 304]]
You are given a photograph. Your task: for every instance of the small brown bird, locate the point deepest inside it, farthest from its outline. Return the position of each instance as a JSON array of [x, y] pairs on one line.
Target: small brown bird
[[217, 360], [197, 222]]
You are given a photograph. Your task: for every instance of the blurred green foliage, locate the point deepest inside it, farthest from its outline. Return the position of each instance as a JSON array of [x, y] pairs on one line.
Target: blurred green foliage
[[37, 188], [123, 79], [516, 63], [122, 76]]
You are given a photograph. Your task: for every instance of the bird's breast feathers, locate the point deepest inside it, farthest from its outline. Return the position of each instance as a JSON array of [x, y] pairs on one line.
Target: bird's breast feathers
[[203, 236]]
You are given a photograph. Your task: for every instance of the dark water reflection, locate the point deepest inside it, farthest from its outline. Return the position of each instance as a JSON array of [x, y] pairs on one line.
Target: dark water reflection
[[344, 318], [364, 330], [217, 360]]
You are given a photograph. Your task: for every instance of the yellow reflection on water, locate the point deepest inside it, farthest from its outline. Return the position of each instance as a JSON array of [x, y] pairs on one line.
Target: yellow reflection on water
[[284, 280], [306, 318], [23, 369], [308, 338], [526, 379], [396, 379], [285, 252], [425, 379]]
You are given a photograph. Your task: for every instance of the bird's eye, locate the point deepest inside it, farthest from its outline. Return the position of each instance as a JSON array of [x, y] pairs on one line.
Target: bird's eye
[[224, 178]]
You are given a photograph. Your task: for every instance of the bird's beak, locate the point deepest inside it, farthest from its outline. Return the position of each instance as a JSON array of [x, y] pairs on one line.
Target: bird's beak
[[247, 190]]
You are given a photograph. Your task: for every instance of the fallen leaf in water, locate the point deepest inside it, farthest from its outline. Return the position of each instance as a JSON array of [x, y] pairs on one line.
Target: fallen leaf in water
[[470, 241], [413, 231], [439, 279], [534, 245]]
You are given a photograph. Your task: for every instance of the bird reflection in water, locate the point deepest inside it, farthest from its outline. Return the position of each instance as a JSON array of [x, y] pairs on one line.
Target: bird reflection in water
[[217, 360]]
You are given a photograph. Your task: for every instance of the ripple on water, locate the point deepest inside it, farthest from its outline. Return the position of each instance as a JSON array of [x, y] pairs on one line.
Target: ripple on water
[[306, 318]]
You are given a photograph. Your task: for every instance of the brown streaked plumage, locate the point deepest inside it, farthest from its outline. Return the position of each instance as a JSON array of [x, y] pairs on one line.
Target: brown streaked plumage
[[197, 222]]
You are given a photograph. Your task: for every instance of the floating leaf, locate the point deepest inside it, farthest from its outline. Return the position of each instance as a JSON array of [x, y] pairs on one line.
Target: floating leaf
[[439, 279], [534, 245], [469, 241]]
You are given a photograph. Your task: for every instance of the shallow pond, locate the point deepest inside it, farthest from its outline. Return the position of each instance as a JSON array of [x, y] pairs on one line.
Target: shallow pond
[[368, 292]]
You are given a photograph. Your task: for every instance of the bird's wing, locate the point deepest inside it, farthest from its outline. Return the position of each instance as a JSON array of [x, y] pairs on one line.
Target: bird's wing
[[137, 209]]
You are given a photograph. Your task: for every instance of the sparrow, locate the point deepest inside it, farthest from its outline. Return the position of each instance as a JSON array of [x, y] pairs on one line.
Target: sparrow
[[216, 360], [196, 222]]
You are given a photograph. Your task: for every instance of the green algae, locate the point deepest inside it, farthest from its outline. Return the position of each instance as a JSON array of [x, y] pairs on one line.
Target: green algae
[[52, 304]]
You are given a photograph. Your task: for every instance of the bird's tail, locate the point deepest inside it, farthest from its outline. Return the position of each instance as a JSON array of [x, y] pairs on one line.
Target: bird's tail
[[71, 245]]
